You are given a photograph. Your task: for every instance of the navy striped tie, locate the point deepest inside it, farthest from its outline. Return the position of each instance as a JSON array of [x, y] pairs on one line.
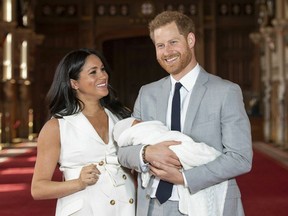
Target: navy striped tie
[[164, 189]]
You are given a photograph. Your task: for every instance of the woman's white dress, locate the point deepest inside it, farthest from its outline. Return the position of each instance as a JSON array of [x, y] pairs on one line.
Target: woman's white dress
[[114, 192]]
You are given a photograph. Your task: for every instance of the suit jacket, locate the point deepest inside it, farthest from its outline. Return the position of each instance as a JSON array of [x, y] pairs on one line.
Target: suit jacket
[[215, 116]]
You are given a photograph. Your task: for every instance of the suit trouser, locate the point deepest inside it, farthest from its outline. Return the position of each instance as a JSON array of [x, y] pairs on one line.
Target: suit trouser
[[169, 208], [233, 206]]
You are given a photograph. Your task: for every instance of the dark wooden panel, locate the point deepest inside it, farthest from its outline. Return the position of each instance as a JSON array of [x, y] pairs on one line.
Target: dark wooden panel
[[234, 55], [134, 64]]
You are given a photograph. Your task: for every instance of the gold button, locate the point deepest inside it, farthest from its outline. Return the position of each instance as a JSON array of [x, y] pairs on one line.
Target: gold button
[[131, 201], [112, 202], [101, 163], [124, 176]]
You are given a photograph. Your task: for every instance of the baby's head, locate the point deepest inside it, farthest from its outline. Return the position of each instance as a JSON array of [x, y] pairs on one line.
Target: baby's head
[[122, 125]]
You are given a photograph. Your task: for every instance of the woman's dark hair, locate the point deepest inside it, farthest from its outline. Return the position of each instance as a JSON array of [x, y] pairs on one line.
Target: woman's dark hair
[[61, 97]]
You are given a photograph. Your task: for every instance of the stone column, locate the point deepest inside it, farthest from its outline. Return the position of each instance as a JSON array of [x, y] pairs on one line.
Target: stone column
[[279, 25], [266, 78], [280, 48], [9, 109]]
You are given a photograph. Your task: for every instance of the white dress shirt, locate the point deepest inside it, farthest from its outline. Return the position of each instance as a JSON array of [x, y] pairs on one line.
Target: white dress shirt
[[188, 82]]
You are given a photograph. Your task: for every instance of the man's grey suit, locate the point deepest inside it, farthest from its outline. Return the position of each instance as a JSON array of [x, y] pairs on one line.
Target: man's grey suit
[[215, 116]]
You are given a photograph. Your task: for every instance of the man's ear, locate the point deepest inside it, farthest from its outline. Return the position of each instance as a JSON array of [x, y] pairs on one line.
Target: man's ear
[[74, 84], [191, 40]]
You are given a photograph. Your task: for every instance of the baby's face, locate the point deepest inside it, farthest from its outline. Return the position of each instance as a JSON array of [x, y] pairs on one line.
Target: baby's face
[[136, 121]]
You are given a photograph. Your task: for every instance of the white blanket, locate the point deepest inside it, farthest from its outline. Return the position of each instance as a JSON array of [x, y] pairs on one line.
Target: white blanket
[[209, 201]]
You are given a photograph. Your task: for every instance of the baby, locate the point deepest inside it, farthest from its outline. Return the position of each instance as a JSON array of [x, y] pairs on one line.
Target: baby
[[131, 131]]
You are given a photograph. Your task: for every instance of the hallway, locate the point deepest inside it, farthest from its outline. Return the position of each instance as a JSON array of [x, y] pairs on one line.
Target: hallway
[[261, 194]]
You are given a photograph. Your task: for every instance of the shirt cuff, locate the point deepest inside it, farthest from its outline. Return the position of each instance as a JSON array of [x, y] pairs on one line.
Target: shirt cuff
[[144, 166], [185, 180]]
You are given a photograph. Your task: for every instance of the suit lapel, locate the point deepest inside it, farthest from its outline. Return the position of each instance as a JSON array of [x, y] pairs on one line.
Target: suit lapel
[[198, 92], [162, 100]]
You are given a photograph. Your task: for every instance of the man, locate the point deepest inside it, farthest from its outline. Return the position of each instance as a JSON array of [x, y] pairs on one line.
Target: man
[[212, 111]]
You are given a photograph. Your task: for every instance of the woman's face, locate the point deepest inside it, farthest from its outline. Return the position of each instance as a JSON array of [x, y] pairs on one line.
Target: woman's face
[[174, 52], [93, 80]]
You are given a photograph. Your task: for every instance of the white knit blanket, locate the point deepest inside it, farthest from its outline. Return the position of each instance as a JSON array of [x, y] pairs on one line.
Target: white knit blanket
[[207, 202]]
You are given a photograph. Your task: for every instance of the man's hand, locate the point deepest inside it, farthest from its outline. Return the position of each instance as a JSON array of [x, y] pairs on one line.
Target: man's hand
[[161, 153], [167, 173]]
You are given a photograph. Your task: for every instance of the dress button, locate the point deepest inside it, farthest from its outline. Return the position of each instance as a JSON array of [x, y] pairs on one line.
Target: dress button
[[101, 163], [147, 197], [131, 201], [112, 202], [124, 176]]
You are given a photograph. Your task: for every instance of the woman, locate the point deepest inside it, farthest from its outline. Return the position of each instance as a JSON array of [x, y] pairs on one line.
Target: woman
[[84, 110]]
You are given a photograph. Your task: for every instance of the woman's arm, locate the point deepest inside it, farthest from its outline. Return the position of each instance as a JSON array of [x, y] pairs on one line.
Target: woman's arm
[[48, 152]]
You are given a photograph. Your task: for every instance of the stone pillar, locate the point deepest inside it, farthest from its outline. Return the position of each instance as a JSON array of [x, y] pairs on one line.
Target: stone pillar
[[25, 104], [280, 48], [1, 129], [9, 111], [266, 78]]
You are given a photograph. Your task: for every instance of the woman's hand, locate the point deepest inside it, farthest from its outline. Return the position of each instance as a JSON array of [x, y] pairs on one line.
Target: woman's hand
[[89, 175]]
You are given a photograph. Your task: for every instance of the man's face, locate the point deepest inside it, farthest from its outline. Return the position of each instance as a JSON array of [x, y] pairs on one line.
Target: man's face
[[173, 51]]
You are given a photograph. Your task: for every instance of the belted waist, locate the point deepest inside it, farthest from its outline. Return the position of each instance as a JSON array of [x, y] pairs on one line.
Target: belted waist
[[110, 165]]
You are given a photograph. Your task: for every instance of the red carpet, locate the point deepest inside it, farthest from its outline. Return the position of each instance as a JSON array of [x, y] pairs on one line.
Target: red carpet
[[15, 182], [264, 189]]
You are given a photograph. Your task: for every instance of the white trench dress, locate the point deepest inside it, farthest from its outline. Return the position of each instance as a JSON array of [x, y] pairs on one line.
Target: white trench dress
[[114, 192]]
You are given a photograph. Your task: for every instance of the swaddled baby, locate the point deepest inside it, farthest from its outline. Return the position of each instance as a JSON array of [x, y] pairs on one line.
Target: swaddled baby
[[131, 131]]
